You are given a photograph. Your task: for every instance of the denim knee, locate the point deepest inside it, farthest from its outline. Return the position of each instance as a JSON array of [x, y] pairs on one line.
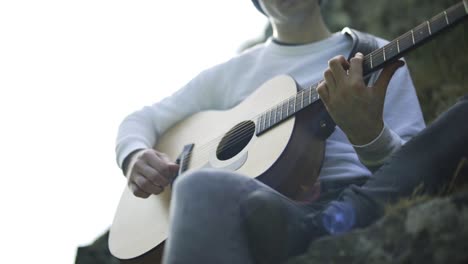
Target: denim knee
[[208, 181], [258, 200], [463, 98]]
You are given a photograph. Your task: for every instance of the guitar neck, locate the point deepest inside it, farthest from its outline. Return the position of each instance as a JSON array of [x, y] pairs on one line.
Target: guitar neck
[[372, 62], [414, 38]]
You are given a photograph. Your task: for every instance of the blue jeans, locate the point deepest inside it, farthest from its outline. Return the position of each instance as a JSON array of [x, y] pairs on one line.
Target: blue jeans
[[210, 208]]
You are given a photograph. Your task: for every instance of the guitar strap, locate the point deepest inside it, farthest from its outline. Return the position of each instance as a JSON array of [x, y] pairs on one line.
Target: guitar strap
[[323, 126], [364, 43]]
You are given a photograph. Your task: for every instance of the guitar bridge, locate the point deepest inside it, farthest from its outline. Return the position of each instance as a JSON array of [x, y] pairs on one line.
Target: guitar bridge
[[184, 159]]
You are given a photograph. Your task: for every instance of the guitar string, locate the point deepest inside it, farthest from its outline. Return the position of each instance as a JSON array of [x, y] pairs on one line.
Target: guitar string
[[241, 134], [378, 57], [378, 54]]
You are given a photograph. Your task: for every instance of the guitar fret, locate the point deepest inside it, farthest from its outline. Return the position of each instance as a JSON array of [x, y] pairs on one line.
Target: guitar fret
[[438, 23], [366, 64], [298, 103], [273, 117], [302, 99], [306, 97], [310, 95], [268, 120], [378, 57], [264, 122], [284, 110], [291, 106], [372, 62], [390, 50], [454, 14], [278, 113], [422, 33], [406, 42], [260, 124], [294, 105]]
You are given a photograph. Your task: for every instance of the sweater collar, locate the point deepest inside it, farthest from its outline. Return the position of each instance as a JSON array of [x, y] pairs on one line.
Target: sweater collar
[[291, 50]]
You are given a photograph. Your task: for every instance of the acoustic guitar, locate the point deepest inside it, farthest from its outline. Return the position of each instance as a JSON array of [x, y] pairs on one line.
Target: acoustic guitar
[[264, 137]]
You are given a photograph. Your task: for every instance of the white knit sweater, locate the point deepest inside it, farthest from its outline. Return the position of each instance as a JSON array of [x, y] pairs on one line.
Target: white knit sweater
[[224, 86]]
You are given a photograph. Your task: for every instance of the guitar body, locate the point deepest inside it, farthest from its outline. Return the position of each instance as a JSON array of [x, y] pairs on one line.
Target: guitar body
[[282, 157]]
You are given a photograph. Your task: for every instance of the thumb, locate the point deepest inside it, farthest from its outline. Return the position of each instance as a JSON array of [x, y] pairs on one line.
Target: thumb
[[174, 167], [386, 75]]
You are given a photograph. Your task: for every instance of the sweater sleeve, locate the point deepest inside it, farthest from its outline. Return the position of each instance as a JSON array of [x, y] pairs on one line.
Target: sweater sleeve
[[402, 117], [142, 128]]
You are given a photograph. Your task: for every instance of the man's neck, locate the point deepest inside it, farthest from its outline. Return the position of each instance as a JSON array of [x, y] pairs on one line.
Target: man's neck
[[301, 31]]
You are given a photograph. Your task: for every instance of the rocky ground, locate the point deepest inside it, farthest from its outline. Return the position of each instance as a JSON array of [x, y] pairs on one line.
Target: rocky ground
[[429, 231]]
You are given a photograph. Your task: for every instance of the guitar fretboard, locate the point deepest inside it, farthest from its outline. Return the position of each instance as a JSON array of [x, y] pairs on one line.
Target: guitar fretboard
[[287, 109], [413, 38], [371, 63]]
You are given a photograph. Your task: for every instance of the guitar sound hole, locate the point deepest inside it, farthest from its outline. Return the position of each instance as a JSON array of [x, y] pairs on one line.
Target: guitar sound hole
[[235, 140]]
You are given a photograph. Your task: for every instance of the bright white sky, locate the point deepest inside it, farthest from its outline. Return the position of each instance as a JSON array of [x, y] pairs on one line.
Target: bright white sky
[[69, 73]]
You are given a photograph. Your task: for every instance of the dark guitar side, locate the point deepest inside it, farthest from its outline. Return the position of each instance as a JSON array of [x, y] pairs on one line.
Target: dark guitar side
[[299, 165]]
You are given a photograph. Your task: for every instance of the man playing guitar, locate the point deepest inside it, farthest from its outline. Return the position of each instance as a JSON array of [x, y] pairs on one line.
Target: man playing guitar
[[220, 216]]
